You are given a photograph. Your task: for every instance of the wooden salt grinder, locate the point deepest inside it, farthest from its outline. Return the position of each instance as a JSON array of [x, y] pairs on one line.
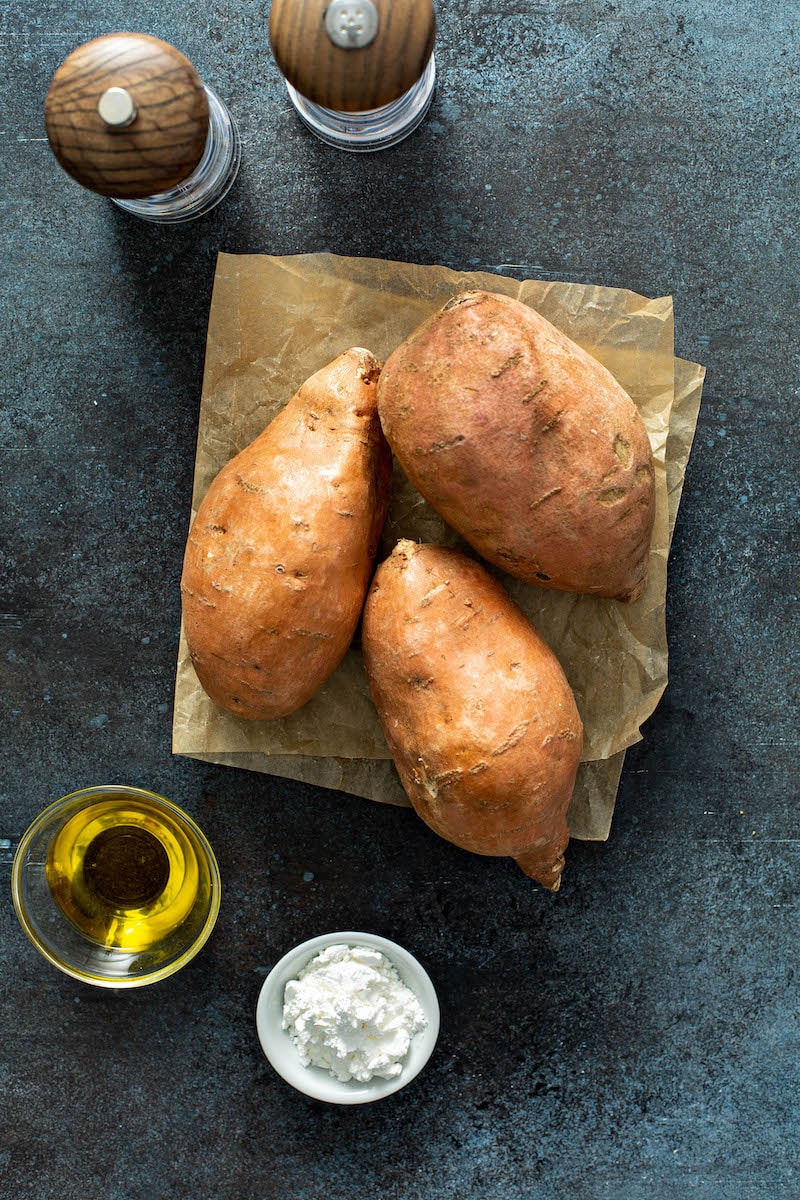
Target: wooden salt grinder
[[360, 73], [128, 117]]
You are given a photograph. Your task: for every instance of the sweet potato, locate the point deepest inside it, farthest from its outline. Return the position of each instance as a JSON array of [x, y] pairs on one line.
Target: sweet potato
[[524, 444], [478, 714], [280, 553]]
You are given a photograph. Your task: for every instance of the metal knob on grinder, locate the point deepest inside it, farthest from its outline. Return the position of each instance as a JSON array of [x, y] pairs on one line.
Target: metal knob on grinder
[[360, 73], [128, 117]]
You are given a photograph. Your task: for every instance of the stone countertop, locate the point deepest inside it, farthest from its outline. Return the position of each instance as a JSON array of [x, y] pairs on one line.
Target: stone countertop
[[635, 1036]]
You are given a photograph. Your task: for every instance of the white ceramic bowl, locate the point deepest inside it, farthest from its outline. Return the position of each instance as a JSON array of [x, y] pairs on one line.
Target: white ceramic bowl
[[314, 1081]]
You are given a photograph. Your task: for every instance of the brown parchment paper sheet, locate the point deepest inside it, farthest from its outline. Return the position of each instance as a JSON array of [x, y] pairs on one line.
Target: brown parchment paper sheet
[[273, 322]]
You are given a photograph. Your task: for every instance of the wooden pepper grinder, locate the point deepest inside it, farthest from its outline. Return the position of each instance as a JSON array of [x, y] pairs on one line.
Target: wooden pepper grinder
[[128, 116], [360, 73]]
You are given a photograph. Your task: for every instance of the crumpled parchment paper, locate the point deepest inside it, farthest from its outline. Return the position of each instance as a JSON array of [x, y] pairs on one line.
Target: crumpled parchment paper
[[274, 322]]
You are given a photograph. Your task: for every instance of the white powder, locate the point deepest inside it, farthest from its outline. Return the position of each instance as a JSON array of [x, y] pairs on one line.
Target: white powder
[[349, 1012]]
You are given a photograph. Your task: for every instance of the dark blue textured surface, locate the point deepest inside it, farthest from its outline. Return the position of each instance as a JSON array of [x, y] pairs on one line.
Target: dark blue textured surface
[[635, 1036]]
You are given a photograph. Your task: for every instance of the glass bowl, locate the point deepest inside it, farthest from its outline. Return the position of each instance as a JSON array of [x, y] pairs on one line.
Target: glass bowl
[[116, 886], [316, 1082]]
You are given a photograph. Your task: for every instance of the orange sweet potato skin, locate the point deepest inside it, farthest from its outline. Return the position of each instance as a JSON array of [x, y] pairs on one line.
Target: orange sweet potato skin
[[280, 553], [527, 446], [479, 717]]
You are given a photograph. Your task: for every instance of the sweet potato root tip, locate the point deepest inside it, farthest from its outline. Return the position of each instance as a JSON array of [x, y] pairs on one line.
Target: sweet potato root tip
[[536, 866]]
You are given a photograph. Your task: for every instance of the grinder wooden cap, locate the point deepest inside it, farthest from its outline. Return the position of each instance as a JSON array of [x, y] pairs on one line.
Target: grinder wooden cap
[[352, 55], [127, 116]]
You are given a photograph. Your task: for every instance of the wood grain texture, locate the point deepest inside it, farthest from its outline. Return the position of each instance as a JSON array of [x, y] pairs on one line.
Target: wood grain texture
[[164, 143], [352, 80]]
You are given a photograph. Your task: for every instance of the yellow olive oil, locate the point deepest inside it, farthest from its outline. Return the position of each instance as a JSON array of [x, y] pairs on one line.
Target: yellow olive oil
[[125, 874]]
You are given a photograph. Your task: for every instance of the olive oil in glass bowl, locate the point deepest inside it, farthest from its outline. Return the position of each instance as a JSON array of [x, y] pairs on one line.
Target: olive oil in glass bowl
[[116, 886]]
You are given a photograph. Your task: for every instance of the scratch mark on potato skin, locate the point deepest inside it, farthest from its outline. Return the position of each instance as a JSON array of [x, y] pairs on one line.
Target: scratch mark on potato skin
[[553, 422], [199, 598], [438, 447], [510, 362], [612, 495], [547, 496], [446, 778], [534, 392], [622, 449], [432, 594], [478, 768], [247, 486], [513, 739]]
